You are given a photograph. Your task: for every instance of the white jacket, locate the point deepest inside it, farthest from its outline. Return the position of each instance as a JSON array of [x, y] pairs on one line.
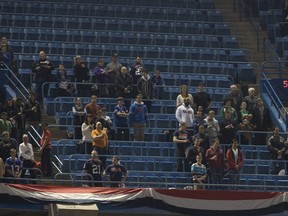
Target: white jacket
[[185, 114]]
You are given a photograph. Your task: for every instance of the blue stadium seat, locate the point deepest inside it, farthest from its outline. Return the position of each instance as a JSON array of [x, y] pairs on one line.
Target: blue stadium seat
[[246, 73]]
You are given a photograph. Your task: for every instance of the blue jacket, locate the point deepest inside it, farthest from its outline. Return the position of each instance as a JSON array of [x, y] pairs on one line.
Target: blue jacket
[[138, 113]]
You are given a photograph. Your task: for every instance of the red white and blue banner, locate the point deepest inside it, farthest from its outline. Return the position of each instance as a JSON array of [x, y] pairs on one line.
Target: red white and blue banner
[[200, 202]]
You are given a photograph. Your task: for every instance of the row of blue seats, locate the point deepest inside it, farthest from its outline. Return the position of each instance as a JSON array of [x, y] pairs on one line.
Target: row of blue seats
[[91, 36], [89, 8], [146, 50], [110, 11], [100, 24], [160, 163], [270, 17]]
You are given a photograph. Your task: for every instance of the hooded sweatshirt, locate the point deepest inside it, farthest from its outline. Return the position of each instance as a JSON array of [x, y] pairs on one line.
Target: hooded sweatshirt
[[138, 113]]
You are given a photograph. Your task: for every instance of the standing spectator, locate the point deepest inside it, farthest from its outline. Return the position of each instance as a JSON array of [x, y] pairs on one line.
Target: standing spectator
[[8, 56], [192, 151], [199, 173], [138, 117], [19, 118], [2, 169], [92, 108], [145, 87], [199, 120], [112, 70], [81, 72], [101, 78], [78, 117], [284, 25], [215, 159], [121, 122], [9, 49], [6, 144], [203, 136], [277, 147], [184, 94], [228, 128], [107, 123], [227, 106], [213, 128], [45, 149], [32, 110], [251, 100], [181, 138], [42, 69], [244, 112], [87, 127], [185, 113], [100, 142], [117, 173], [237, 97], [65, 88], [13, 167], [202, 98], [124, 86], [234, 158], [26, 154], [135, 71], [159, 84], [95, 168], [5, 123], [262, 122], [245, 125]]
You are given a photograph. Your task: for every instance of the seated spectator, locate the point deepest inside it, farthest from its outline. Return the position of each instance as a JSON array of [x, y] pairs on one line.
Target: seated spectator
[[32, 110], [192, 151], [277, 147], [121, 122], [145, 87], [87, 127], [159, 84], [185, 113], [199, 173], [101, 78], [92, 108], [234, 157], [245, 125], [228, 128], [116, 173], [78, 117], [184, 94], [65, 87], [181, 138], [215, 159], [6, 144], [100, 142], [227, 106], [213, 128], [138, 117], [81, 72], [95, 168], [13, 167], [202, 98]]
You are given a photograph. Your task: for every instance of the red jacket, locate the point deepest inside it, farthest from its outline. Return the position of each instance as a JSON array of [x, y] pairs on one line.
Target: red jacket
[[231, 159]]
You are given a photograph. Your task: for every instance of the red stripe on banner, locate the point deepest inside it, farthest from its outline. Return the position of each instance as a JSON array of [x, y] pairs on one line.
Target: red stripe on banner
[[218, 195], [71, 189]]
